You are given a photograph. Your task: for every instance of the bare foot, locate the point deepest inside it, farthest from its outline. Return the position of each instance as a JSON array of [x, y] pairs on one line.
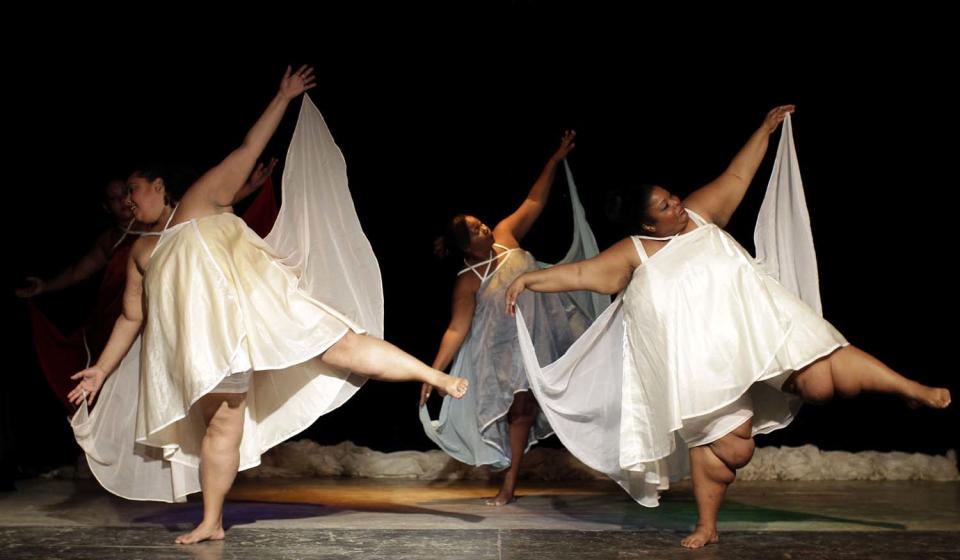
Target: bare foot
[[701, 537], [503, 498], [933, 397], [454, 386], [210, 550], [202, 533]]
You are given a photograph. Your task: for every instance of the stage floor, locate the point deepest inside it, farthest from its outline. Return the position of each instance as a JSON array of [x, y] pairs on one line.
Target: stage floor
[[364, 518]]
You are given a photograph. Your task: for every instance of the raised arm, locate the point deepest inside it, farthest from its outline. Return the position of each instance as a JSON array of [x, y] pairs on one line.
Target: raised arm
[[519, 223], [718, 199], [222, 184]]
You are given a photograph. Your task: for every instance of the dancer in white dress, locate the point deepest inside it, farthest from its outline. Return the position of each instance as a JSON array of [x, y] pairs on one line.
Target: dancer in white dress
[[704, 348], [499, 420], [241, 344]]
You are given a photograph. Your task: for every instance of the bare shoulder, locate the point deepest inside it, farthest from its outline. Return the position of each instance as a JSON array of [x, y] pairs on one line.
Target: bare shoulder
[[624, 251], [467, 284], [698, 204], [504, 236], [142, 249]]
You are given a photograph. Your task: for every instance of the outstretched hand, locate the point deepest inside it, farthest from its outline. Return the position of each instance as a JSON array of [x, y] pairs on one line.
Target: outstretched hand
[[295, 83], [776, 116]]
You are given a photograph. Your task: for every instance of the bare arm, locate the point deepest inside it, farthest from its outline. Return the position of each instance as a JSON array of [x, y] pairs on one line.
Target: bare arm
[[718, 199], [88, 265], [607, 273], [519, 223], [256, 180], [125, 331], [221, 184], [463, 306]]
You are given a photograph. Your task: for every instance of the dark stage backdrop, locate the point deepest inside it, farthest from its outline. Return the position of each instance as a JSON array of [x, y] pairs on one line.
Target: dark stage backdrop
[[428, 132]]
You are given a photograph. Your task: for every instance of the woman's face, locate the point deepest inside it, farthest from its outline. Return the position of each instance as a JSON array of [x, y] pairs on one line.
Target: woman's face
[[146, 199], [666, 213], [115, 201], [481, 238]]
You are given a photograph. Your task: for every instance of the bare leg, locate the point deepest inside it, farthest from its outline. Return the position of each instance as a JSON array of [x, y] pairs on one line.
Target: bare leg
[[713, 467], [849, 371], [219, 460], [378, 359], [522, 414]]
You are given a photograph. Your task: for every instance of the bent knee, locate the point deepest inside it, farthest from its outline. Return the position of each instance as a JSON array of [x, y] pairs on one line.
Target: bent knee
[[735, 452], [813, 388]]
